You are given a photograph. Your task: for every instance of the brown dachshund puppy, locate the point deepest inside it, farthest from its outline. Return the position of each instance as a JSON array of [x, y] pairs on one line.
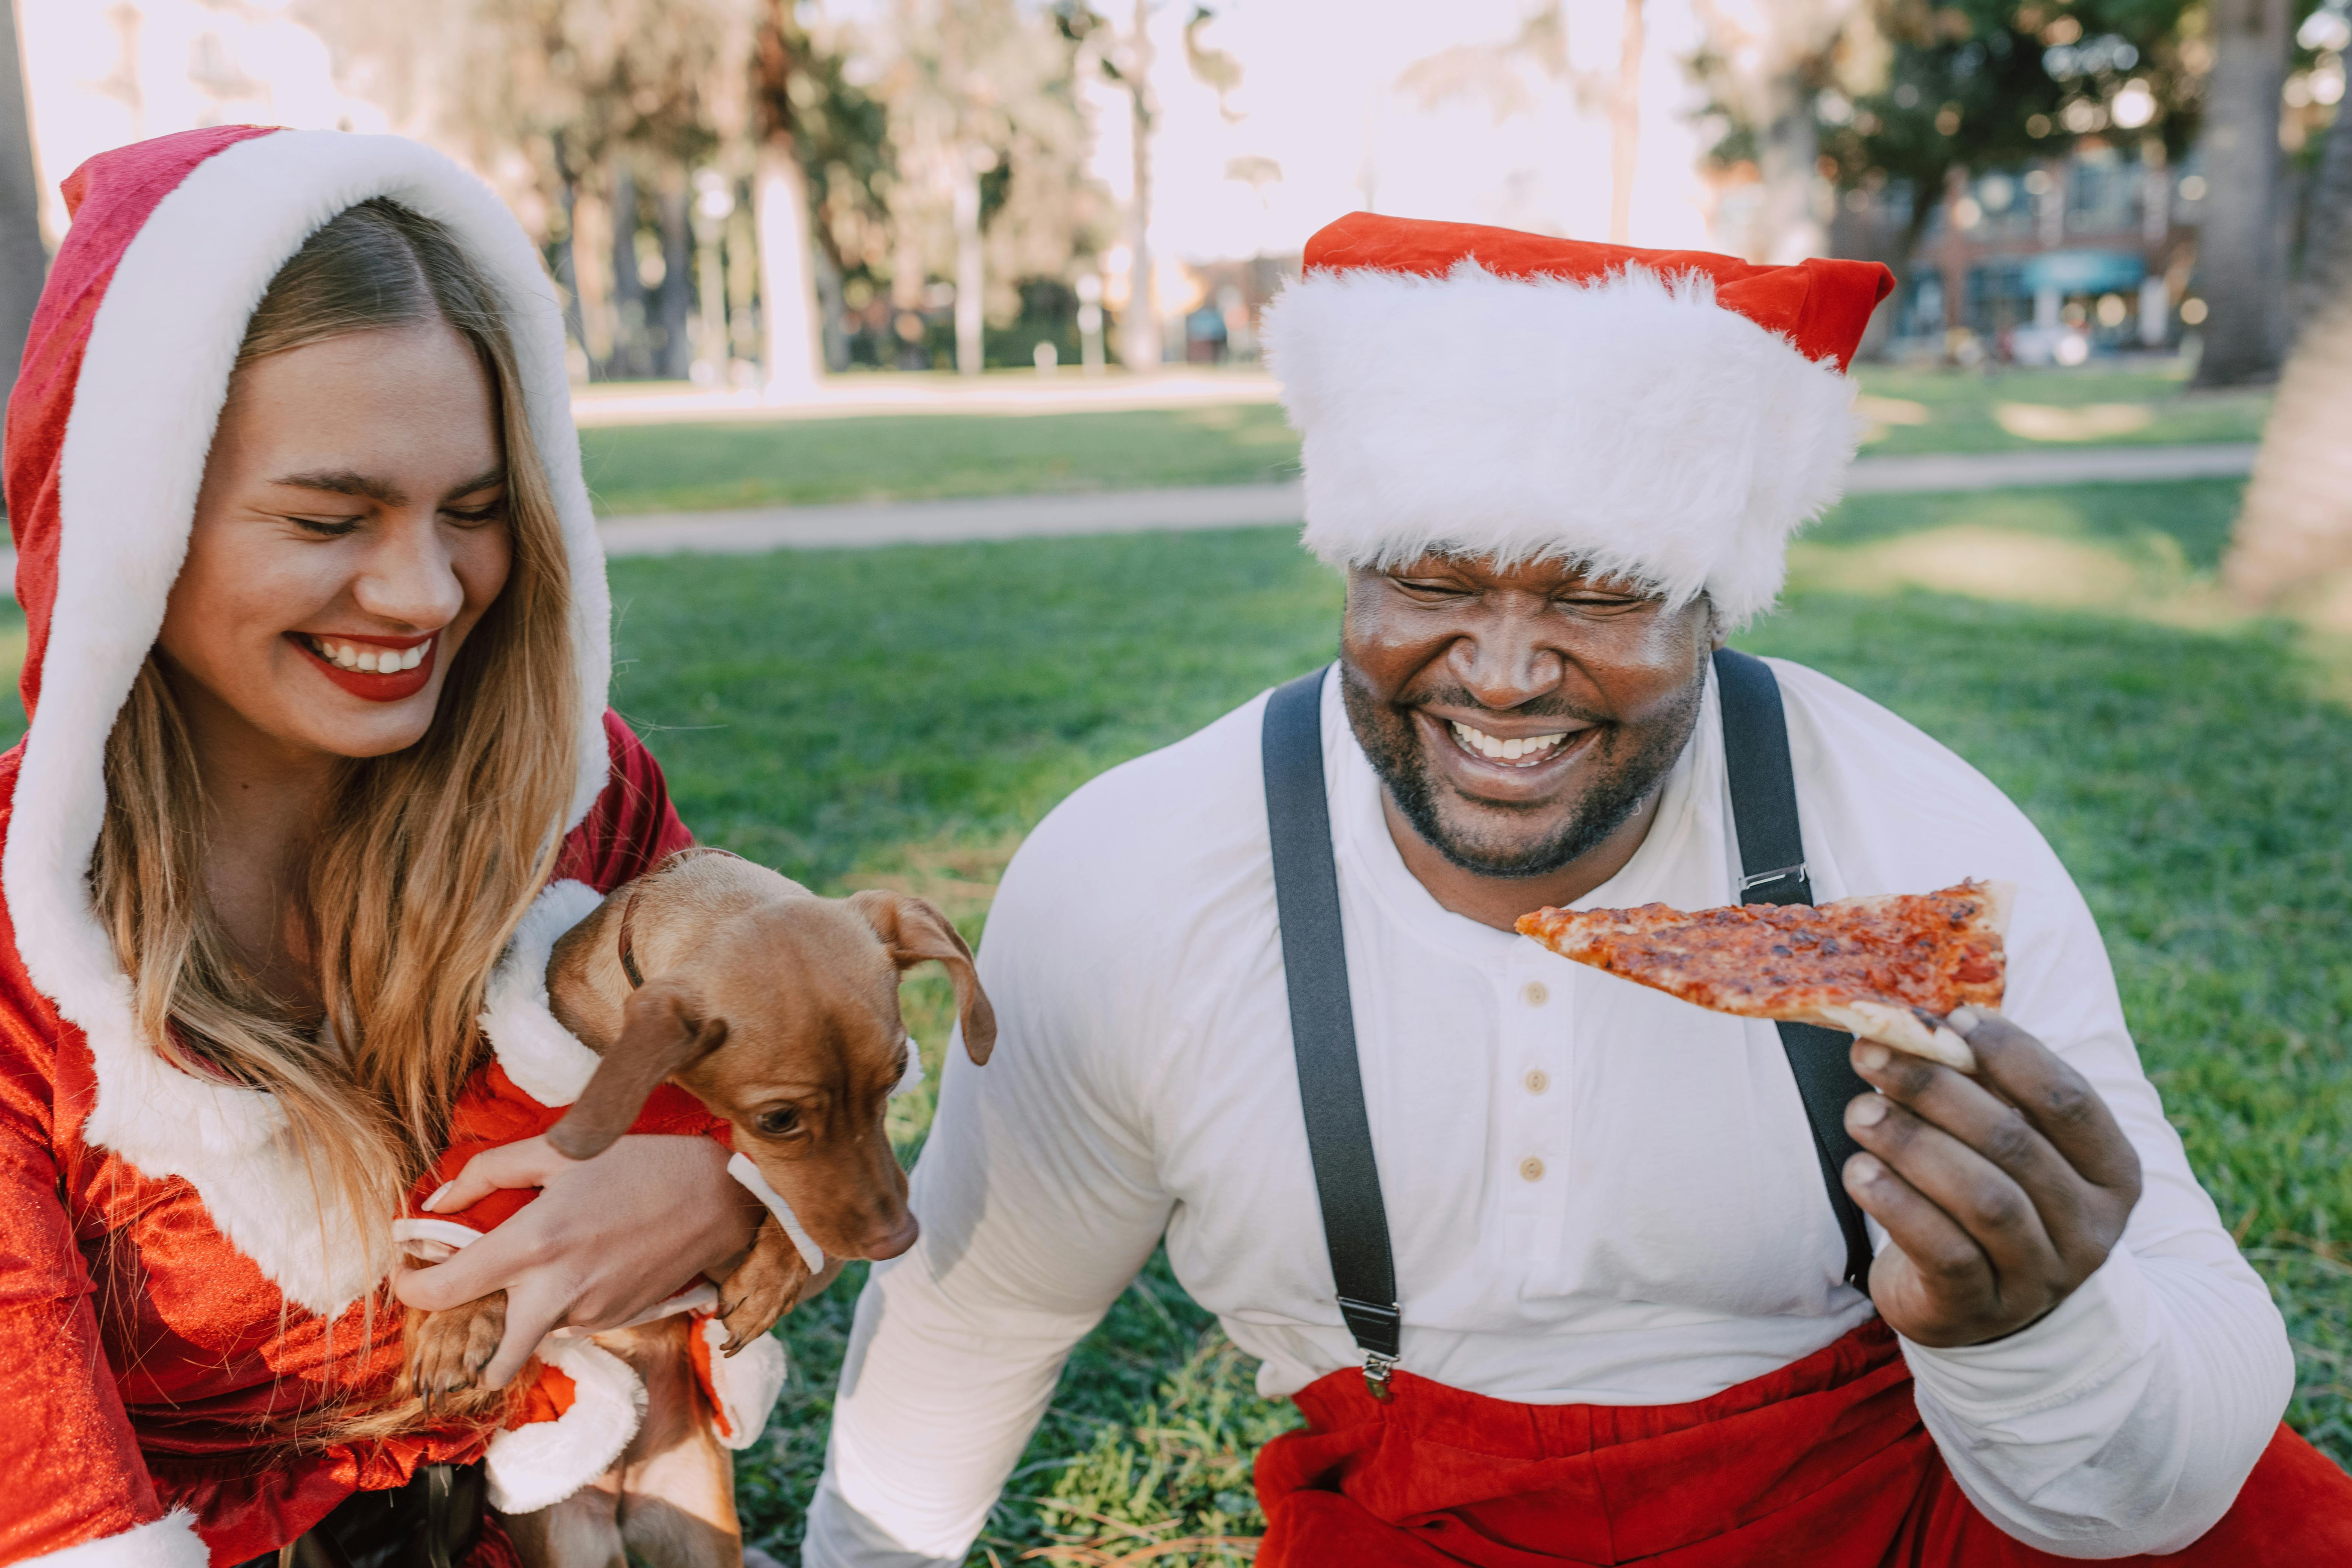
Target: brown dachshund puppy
[[778, 1010]]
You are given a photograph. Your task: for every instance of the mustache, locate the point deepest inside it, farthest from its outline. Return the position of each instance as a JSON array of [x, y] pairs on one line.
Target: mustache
[[1550, 705]]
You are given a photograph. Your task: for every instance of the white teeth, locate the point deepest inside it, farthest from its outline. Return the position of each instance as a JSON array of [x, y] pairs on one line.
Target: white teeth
[[1527, 751], [369, 660]]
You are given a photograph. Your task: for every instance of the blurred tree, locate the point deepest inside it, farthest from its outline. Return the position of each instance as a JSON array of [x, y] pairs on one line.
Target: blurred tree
[[1923, 92], [780, 208], [1765, 63], [23, 261], [2295, 531], [2240, 261], [989, 153], [1125, 59]]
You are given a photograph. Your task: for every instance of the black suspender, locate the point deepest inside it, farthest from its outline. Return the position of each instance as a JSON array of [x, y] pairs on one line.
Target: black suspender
[[1323, 1026], [1772, 871], [1322, 1021]]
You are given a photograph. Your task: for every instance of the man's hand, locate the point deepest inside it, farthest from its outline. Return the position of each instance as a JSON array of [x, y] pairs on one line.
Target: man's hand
[[606, 1239], [2000, 1193]]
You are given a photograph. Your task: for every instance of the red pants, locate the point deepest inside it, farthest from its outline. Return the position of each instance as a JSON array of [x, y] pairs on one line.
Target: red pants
[[1822, 1464]]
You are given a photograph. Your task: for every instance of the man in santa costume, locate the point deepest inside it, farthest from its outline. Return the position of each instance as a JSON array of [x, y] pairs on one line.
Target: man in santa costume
[[1561, 1269]]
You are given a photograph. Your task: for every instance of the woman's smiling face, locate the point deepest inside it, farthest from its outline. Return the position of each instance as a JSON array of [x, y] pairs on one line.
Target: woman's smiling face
[[350, 532]]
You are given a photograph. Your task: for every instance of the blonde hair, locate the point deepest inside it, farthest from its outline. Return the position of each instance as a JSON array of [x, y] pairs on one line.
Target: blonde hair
[[428, 856]]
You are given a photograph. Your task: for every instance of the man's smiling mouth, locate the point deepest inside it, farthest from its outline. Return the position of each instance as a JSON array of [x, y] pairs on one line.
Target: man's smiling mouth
[[1526, 752]]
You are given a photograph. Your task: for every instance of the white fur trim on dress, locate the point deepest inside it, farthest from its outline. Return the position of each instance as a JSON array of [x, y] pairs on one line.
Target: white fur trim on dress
[[745, 1386], [154, 377], [170, 1541], [545, 1059], [1630, 422], [533, 1467]]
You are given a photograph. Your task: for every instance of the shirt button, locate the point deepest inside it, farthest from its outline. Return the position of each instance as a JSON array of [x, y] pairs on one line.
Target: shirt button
[[1536, 1081], [1535, 993], [1531, 1168]]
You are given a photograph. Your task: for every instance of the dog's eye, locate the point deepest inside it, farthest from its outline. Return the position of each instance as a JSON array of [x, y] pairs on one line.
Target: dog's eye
[[776, 1123]]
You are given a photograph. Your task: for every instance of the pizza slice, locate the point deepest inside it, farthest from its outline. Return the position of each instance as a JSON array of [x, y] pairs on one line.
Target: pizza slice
[[1887, 968]]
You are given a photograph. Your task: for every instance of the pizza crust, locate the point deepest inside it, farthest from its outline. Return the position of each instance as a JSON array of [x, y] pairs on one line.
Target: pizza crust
[[1900, 1027]]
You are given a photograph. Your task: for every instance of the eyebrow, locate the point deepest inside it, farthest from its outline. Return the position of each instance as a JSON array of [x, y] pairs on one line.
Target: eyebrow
[[350, 483]]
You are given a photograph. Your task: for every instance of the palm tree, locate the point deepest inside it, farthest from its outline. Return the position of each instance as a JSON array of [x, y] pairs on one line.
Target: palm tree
[[2239, 267], [2295, 532], [23, 260]]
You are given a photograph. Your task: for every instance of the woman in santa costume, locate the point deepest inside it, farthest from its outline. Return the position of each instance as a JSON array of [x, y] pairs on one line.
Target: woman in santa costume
[[319, 766], [1561, 1269]]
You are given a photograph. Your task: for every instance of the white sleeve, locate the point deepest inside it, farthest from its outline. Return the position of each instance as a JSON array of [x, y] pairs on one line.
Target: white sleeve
[[2127, 1420], [1038, 1202]]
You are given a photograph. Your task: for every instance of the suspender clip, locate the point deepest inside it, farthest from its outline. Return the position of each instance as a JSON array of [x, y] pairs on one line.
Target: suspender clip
[[1762, 879], [1377, 1368]]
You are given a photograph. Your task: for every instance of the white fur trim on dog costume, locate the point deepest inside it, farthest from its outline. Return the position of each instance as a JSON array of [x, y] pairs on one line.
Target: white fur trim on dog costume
[[1633, 424], [745, 1386], [741, 1168], [533, 1467], [170, 1541], [153, 376]]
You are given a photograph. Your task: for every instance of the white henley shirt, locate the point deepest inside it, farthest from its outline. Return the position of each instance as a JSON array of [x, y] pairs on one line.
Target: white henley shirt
[[1597, 1194]]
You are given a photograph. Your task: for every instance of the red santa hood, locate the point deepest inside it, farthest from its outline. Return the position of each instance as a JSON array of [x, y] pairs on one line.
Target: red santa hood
[[173, 242]]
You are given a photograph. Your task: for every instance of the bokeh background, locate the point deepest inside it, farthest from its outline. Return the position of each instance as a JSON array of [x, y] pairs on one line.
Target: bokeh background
[[915, 349]]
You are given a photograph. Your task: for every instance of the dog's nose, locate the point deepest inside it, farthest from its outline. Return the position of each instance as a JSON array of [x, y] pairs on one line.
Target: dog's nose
[[891, 1242]]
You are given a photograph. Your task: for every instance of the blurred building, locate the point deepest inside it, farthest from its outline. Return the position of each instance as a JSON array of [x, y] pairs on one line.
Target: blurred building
[[2092, 251]]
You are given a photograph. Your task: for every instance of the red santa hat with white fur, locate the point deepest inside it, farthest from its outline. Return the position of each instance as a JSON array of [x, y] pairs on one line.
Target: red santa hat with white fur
[[1667, 417]]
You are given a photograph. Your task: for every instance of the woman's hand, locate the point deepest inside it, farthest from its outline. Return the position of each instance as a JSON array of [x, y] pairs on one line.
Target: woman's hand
[[2000, 1193], [605, 1239]]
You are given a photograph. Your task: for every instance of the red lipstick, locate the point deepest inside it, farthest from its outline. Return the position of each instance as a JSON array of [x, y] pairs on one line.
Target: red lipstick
[[376, 687]]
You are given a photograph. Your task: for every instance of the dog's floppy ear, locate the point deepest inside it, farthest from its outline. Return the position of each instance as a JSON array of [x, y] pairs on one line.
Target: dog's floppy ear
[[662, 1031], [914, 930]]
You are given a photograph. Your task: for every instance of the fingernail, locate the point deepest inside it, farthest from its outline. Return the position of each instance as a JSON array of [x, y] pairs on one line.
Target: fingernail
[[1872, 1056], [1866, 1111], [433, 1203], [1964, 1018], [1864, 1168]]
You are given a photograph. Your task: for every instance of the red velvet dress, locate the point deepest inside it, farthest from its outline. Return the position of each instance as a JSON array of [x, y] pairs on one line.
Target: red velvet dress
[[139, 1347]]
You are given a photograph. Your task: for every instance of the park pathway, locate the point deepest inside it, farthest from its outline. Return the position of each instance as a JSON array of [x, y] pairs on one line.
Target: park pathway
[[1247, 506], [1244, 506]]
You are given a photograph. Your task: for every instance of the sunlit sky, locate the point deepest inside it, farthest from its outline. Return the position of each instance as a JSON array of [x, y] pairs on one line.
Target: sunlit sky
[[1336, 94]]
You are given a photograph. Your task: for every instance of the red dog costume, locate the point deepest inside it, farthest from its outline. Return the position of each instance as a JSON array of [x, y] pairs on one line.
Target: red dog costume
[[168, 1279]]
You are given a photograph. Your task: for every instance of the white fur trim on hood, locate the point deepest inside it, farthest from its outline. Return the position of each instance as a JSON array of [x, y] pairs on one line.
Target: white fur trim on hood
[[153, 376], [545, 1059], [1633, 424], [170, 1541]]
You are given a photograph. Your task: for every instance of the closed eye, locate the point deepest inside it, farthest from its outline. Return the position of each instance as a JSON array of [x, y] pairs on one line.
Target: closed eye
[[327, 527]]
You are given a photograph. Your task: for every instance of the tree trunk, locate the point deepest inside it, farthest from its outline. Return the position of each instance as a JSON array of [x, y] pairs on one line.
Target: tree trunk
[[674, 306], [591, 267], [970, 274], [1788, 229], [1625, 127], [788, 303], [24, 262], [1138, 327], [2239, 262], [2295, 531], [632, 327]]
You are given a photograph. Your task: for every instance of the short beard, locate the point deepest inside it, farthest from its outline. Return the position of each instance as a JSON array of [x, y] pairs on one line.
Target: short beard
[[1632, 765]]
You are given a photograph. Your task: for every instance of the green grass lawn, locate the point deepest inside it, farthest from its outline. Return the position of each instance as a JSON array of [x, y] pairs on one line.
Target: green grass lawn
[[907, 457], [900, 716], [696, 467]]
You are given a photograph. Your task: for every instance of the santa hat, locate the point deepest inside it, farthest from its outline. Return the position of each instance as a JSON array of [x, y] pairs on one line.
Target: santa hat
[[173, 242], [1667, 416]]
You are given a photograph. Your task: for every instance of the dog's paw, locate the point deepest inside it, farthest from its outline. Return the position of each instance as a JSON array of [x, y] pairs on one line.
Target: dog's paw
[[766, 1285], [447, 1351]]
